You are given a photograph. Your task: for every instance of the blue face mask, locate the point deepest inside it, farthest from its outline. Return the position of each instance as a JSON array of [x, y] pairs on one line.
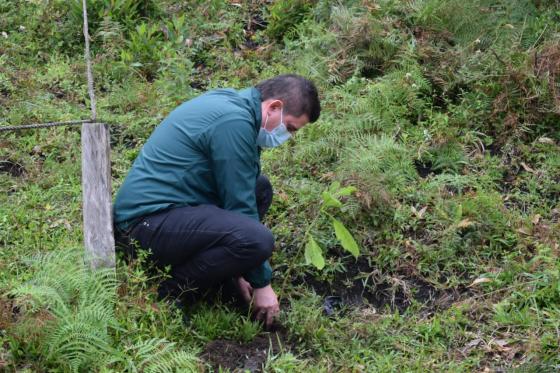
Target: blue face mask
[[275, 137]]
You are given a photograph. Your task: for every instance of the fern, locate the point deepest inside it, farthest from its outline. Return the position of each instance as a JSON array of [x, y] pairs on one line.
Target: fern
[[379, 163], [78, 305], [463, 19], [157, 355], [349, 42]]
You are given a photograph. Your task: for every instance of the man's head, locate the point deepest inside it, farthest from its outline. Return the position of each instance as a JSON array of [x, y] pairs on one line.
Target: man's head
[[288, 98]]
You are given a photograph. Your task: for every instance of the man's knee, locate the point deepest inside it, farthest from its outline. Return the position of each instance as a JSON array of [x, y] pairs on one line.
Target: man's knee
[[260, 242], [267, 243]]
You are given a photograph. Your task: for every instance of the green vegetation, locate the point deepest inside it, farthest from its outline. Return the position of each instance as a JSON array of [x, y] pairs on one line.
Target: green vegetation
[[438, 149]]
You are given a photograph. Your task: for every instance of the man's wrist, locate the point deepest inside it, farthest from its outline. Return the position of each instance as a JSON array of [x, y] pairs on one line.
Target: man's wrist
[[259, 284], [266, 287]]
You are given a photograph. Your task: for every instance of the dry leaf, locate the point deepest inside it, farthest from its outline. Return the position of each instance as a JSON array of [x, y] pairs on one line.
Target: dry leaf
[[536, 219], [523, 231], [546, 140], [464, 223], [527, 168], [480, 280], [420, 213], [470, 346], [473, 343], [501, 344]]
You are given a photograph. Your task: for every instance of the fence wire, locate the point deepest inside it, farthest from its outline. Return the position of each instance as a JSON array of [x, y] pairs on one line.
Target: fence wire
[[48, 124]]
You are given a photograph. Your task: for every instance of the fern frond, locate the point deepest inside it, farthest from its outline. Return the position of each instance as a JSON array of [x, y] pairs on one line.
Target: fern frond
[[378, 161], [158, 355], [80, 304]]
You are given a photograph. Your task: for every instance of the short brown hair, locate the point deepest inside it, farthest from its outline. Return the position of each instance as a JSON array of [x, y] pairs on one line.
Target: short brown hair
[[298, 94]]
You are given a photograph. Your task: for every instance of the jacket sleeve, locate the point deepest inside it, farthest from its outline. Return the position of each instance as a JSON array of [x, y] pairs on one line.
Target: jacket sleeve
[[234, 157], [259, 277]]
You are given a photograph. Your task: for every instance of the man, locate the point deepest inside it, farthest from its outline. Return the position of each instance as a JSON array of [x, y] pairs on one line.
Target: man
[[194, 195]]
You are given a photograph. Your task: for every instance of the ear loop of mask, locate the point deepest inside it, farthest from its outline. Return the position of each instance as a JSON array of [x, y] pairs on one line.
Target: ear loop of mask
[[266, 121], [281, 118]]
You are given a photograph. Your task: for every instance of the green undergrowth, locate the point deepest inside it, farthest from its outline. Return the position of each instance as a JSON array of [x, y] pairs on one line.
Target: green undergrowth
[[441, 116]]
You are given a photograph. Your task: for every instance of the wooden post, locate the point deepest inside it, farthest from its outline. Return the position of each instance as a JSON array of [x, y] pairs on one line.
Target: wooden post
[[96, 179], [96, 186]]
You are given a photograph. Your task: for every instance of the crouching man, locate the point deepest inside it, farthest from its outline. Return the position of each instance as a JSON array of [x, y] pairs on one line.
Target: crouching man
[[195, 197]]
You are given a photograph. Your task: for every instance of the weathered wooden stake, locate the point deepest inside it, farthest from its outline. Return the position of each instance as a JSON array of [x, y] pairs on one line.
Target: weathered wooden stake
[[96, 179], [96, 186]]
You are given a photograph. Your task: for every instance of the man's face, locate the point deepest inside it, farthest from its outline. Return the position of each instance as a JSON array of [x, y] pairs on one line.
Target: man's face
[[272, 115]]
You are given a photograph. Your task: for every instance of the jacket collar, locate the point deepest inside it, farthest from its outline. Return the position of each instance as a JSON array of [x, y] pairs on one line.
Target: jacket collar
[[254, 97]]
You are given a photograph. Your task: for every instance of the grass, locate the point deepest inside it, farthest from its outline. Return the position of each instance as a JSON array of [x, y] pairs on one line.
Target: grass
[[444, 121]]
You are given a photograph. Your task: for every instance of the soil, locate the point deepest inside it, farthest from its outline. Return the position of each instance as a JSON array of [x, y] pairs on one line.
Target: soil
[[347, 290], [424, 169], [11, 167], [243, 357]]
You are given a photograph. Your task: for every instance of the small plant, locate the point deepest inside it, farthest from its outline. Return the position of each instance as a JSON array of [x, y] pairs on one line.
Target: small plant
[[69, 320], [285, 15], [146, 49], [125, 12], [330, 201]]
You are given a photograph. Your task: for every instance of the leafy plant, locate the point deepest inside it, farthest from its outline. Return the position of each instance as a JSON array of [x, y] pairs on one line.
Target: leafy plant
[[314, 252], [70, 321], [283, 16], [146, 49], [125, 12]]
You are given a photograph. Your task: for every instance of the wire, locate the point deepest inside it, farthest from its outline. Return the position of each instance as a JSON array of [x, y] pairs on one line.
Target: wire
[[47, 125]]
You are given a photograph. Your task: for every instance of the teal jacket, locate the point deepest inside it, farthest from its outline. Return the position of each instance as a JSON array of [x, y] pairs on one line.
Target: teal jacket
[[204, 152]]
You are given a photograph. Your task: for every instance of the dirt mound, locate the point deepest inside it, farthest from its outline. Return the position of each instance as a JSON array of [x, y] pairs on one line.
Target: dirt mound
[[242, 357]]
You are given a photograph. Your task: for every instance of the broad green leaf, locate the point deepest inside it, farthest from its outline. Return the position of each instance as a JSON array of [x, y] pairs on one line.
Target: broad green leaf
[[346, 191], [333, 188], [330, 200], [314, 254], [345, 238]]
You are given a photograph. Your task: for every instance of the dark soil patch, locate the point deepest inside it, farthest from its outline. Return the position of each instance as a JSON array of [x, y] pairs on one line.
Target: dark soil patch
[[242, 357], [11, 167], [200, 85], [494, 149], [425, 169], [350, 289]]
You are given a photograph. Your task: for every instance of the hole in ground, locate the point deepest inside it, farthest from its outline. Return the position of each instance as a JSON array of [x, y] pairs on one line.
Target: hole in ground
[[251, 356], [11, 167], [425, 169]]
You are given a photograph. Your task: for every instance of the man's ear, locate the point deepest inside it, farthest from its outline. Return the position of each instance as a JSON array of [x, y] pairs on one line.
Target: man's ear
[[276, 105]]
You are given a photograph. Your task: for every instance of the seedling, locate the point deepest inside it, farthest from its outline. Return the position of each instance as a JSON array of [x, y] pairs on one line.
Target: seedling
[[330, 202]]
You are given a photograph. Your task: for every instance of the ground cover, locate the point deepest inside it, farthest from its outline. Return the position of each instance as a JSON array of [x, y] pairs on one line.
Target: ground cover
[[442, 117]]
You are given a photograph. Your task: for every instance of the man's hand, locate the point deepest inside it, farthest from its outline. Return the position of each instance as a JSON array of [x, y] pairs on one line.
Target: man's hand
[[245, 289], [265, 304]]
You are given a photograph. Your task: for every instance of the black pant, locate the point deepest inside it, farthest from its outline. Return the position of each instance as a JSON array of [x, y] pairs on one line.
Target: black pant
[[205, 245]]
